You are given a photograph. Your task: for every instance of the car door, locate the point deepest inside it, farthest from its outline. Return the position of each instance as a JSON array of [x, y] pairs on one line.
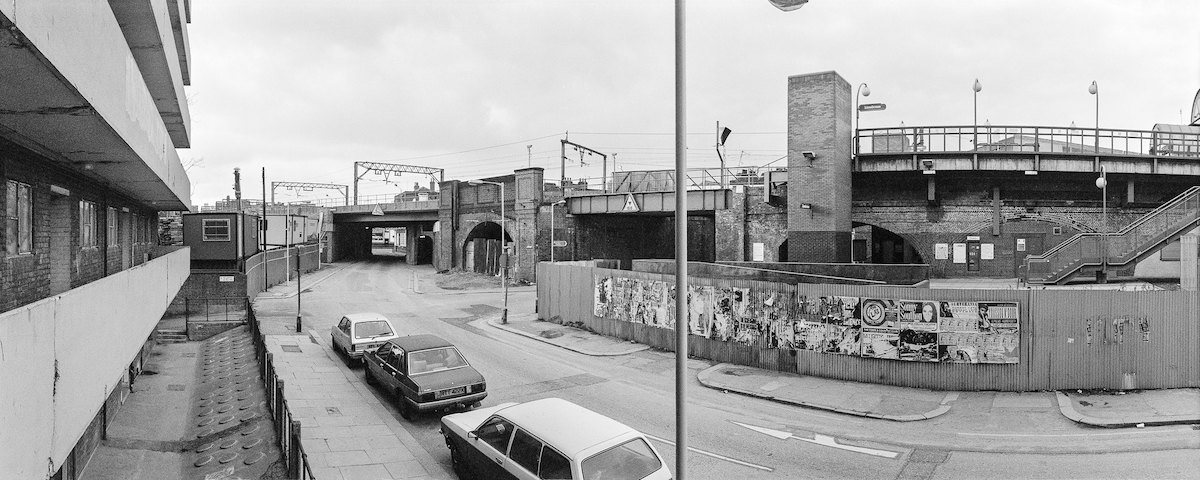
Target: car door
[[399, 369], [379, 366], [523, 454], [490, 447], [341, 335]]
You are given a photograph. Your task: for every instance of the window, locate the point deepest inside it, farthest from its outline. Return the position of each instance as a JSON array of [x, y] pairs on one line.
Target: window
[[87, 224], [18, 219], [216, 230], [372, 328], [496, 432], [554, 465], [525, 450], [113, 239], [632, 459]]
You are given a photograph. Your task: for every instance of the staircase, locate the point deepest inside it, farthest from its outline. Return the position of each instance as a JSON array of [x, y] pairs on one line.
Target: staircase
[[1125, 247], [171, 336]]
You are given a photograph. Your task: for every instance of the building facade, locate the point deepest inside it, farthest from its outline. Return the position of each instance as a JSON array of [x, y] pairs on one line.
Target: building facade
[[92, 110]]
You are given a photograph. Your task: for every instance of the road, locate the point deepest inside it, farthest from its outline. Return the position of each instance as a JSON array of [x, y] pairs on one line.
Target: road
[[734, 437]]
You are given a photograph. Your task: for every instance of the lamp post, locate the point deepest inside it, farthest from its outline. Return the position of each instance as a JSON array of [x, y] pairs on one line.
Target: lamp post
[[975, 116], [865, 91], [503, 247], [1102, 184], [1095, 90]]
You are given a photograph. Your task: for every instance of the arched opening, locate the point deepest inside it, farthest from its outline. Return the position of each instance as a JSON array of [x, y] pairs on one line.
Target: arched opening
[[782, 252], [873, 244], [481, 249]]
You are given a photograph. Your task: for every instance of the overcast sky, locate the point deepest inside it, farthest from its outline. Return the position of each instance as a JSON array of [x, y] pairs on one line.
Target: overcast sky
[[305, 88]]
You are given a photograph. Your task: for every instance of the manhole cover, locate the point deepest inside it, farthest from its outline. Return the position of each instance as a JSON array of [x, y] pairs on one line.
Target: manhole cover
[[290, 348], [175, 387]]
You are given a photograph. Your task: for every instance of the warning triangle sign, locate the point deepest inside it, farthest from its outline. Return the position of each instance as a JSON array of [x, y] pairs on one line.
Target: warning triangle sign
[[630, 204], [378, 210]]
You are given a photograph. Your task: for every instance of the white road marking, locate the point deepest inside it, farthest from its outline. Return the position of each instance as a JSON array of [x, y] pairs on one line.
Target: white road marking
[[1052, 435], [713, 455], [819, 439]]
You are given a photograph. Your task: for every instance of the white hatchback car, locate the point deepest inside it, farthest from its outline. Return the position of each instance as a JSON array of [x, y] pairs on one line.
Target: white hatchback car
[[549, 438], [358, 333]]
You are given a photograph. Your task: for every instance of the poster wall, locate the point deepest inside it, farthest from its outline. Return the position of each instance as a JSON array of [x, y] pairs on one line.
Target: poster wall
[[883, 328]]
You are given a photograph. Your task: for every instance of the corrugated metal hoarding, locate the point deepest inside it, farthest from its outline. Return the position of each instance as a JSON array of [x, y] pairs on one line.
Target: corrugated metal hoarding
[[1035, 340]]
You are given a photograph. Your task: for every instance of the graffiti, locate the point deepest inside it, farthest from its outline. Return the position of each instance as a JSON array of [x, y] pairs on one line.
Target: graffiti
[[884, 328]]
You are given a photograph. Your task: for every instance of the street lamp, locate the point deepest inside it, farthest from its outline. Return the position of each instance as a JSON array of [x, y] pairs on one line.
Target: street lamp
[[865, 91], [1102, 184], [975, 117], [1095, 90], [503, 247]]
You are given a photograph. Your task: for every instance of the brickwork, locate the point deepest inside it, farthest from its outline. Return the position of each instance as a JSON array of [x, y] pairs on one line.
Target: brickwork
[[27, 278], [819, 122], [749, 220]]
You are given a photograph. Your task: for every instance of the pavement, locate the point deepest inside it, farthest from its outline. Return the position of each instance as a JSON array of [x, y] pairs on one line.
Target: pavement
[[347, 433], [901, 404]]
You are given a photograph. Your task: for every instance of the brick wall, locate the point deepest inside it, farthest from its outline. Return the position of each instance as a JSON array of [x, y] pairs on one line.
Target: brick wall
[[57, 262], [819, 122]]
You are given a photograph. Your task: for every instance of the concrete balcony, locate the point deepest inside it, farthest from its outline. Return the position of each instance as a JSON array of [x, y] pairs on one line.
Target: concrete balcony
[[153, 31], [72, 91], [61, 357]]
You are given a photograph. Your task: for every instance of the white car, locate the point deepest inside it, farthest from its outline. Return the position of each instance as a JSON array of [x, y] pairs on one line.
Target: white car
[[549, 438], [358, 333]]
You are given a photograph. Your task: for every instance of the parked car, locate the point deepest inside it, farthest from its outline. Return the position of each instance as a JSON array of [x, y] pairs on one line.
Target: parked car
[[358, 333], [549, 438], [425, 373]]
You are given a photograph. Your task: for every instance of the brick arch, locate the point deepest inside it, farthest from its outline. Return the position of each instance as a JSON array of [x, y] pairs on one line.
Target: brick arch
[[918, 245]]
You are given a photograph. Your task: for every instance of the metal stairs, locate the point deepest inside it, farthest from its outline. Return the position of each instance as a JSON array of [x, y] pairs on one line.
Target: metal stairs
[[1086, 251]]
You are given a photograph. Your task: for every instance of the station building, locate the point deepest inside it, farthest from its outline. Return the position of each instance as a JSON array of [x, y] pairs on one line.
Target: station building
[[92, 110]]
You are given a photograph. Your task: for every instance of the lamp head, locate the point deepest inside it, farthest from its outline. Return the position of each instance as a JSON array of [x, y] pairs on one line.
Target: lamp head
[[809, 155], [1092, 89], [977, 86], [866, 90], [1101, 182]]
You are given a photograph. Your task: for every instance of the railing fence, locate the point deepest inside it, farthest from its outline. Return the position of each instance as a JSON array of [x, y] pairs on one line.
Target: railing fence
[[287, 430]]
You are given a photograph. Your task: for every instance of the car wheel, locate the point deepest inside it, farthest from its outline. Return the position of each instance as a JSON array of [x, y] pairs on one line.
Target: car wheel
[[406, 410], [461, 467]]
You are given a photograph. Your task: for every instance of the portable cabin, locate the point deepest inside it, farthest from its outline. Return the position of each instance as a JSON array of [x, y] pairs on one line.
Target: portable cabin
[[220, 237]]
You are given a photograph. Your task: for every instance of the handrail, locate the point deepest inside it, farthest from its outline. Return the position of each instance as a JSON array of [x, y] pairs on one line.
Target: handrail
[[1171, 220], [981, 139]]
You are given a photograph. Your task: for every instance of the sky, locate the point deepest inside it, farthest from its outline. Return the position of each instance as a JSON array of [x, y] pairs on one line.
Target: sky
[[305, 88]]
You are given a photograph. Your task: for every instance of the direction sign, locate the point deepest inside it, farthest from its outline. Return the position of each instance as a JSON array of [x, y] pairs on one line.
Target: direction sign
[[559, 243], [868, 107]]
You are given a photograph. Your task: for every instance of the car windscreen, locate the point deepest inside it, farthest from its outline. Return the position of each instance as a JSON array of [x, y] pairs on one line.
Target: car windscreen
[[632, 460], [433, 360], [371, 328]]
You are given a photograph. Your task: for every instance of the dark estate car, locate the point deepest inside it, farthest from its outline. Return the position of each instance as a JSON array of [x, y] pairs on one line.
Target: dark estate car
[[425, 373]]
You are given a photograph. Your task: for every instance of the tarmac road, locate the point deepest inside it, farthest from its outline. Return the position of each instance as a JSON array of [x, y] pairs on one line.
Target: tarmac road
[[985, 435]]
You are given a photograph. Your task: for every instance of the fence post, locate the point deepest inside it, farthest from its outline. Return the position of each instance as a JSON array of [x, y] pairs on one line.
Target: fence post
[[294, 450]]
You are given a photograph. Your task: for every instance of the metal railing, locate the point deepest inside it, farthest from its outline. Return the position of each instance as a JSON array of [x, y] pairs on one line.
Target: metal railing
[[215, 309], [662, 180], [1119, 248], [287, 431], [1027, 139]]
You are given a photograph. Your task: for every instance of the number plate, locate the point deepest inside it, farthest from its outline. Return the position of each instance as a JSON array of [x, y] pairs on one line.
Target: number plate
[[453, 392]]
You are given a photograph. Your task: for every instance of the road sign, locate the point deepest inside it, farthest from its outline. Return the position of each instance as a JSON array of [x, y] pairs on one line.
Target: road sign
[[869, 107], [630, 204], [377, 211], [559, 243]]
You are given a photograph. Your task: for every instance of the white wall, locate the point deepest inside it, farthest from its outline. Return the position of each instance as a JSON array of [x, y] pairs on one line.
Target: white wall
[[61, 357]]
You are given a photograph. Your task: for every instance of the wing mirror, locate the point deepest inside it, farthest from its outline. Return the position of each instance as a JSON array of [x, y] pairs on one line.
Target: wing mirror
[[472, 434]]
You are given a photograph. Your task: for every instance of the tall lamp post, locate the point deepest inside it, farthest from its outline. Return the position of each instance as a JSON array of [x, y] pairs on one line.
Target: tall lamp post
[[865, 91], [503, 247], [1102, 184], [1095, 90], [975, 117]]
